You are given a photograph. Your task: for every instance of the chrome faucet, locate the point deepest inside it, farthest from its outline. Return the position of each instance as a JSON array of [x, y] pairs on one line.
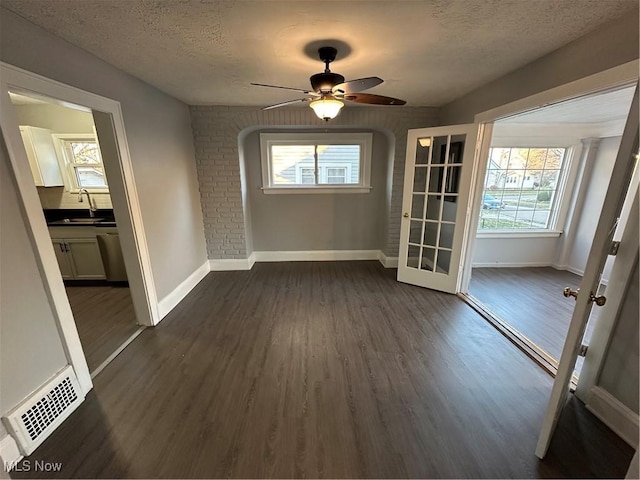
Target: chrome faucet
[[92, 209]]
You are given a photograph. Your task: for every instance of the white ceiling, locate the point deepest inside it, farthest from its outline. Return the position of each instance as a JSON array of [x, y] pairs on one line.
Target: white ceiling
[[208, 51], [612, 106]]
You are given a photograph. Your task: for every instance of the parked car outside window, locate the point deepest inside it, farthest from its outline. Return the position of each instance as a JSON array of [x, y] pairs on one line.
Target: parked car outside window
[[489, 202]]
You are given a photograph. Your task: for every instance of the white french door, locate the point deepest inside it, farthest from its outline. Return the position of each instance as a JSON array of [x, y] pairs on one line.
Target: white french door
[[435, 200], [586, 296]]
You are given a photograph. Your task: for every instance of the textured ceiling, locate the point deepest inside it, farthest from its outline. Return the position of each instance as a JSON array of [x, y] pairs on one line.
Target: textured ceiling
[[428, 52]]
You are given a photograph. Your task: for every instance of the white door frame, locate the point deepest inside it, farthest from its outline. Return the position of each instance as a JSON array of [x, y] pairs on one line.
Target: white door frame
[[126, 205]]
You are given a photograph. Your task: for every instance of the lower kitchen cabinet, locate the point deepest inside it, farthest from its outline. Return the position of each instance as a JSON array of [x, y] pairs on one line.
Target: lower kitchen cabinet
[[79, 258]]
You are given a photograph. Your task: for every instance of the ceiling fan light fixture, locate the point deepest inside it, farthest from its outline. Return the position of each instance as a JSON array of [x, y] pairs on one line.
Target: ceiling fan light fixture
[[327, 107]]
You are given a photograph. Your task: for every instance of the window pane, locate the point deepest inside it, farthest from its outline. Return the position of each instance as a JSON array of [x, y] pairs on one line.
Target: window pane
[[285, 159], [307, 176], [90, 177], [85, 152], [520, 188], [337, 175], [340, 164]]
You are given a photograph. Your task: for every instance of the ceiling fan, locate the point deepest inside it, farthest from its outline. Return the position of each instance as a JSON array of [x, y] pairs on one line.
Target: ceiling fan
[[329, 89]]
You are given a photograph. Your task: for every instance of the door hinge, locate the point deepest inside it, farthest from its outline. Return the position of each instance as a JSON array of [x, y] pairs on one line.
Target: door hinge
[[613, 249], [583, 350]]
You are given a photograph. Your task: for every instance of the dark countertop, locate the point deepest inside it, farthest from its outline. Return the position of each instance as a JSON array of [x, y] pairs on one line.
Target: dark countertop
[[79, 218]]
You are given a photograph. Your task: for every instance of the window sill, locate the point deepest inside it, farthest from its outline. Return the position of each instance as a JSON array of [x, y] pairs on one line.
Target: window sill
[[314, 190], [519, 234]]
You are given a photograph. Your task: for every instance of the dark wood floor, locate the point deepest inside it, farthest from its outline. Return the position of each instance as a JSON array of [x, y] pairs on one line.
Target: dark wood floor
[[530, 300], [105, 318], [327, 369]]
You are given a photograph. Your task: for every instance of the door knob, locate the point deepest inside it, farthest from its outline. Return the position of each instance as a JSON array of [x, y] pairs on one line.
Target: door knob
[[405, 215], [599, 301]]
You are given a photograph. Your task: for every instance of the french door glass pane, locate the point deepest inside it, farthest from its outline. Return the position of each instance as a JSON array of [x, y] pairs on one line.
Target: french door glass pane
[[417, 206], [415, 231], [413, 257], [420, 179], [433, 214]]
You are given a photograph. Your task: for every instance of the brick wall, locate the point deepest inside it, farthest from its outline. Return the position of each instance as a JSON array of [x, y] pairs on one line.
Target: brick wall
[[216, 130]]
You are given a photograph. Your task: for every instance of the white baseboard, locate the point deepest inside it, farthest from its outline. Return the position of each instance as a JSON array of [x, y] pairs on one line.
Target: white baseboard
[[9, 452], [232, 264], [169, 302], [615, 415], [316, 255], [510, 264], [387, 262]]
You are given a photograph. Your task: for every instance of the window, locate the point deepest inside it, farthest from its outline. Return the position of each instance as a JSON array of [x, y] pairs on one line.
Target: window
[[316, 162], [522, 189], [83, 162]]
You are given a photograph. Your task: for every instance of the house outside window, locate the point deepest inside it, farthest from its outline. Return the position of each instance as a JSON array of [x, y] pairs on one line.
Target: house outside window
[[82, 162], [316, 162], [522, 189]]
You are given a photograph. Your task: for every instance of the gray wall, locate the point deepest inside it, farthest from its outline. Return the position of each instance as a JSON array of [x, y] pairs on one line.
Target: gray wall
[[317, 221], [619, 374], [31, 349], [614, 43], [159, 138], [217, 131]]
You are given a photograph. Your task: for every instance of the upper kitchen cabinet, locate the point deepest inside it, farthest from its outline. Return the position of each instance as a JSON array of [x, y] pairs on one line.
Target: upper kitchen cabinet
[[41, 153]]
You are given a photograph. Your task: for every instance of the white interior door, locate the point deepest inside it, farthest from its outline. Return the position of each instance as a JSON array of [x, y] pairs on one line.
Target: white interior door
[[598, 253], [435, 209]]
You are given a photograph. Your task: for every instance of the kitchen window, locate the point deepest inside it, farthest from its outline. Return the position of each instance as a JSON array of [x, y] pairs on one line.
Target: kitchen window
[[83, 162], [523, 189], [316, 162]]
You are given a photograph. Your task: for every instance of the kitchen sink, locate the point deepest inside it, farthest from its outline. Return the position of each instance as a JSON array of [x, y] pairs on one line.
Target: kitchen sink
[[82, 220]]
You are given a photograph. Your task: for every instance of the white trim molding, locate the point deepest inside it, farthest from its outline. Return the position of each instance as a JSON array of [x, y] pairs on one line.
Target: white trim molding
[[232, 264], [316, 255], [169, 302], [615, 415], [387, 262], [239, 264], [9, 453], [510, 264]]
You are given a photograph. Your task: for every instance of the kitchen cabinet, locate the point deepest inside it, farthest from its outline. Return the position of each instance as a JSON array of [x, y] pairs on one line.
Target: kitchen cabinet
[[77, 252], [42, 156]]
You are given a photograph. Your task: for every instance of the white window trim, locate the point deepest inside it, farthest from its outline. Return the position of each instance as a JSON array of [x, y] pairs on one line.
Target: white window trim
[[66, 167], [365, 141], [557, 219]]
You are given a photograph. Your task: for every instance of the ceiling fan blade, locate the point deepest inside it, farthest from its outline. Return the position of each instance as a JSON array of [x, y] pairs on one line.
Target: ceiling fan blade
[[284, 88], [373, 99], [353, 86], [290, 102]]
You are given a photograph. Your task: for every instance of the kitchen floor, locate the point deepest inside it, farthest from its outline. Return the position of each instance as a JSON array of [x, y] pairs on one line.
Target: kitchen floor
[[105, 319]]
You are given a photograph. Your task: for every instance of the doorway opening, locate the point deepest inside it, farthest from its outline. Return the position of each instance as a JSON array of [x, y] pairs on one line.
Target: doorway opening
[[546, 177], [69, 174]]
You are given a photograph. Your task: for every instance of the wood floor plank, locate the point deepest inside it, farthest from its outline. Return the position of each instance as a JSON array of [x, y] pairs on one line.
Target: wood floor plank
[[324, 370], [104, 317], [530, 299]]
